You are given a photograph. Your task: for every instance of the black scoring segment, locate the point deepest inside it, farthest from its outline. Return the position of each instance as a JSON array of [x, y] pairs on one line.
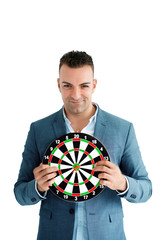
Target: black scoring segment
[[86, 163], [69, 157], [76, 145], [89, 185], [89, 149], [83, 157], [63, 148], [76, 178], [83, 176], [55, 159], [86, 170], [69, 176], [66, 163]]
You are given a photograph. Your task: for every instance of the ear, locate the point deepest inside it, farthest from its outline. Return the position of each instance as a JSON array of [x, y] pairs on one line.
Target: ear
[[94, 84], [58, 82]]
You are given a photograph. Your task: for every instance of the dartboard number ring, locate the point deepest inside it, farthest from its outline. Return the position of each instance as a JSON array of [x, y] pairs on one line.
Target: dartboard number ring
[[75, 156]]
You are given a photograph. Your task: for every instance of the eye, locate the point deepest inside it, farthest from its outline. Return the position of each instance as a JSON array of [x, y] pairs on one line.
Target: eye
[[85, 86], [67, 86]]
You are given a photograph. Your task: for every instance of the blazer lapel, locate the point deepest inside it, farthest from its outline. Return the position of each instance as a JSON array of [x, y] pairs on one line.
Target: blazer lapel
[[100, 126], [59, 124]]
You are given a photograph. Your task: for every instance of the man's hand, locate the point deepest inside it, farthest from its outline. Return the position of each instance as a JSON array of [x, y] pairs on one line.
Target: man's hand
[[111, 176], [44, 175]]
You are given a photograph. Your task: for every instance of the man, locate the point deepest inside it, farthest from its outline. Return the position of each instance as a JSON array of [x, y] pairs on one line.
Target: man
[[123, 177]]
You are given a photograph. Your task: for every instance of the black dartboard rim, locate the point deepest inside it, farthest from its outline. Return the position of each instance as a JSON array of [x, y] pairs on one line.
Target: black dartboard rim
[[75, 155]]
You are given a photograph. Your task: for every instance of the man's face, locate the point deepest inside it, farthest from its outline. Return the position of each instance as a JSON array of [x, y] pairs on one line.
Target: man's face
[[76, 86]]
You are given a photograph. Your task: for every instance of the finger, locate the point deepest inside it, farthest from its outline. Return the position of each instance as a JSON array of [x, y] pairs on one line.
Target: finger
[[105, 183], [44, 166], [104, 176], [102, 169], [50, 176], [46, 181], [106, 163], [45, 172], [40, 168], [54, 168], [45, 186], [51, 169], [51, 182]]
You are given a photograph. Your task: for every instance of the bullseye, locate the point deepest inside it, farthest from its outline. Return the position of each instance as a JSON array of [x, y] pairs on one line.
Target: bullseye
[[76, 166]]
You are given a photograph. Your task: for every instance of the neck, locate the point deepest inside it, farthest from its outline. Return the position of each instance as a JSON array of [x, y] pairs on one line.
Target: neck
[[79, 121], [81, 116]]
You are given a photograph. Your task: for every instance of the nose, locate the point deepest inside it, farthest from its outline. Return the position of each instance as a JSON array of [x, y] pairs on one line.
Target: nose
[[76, 93]]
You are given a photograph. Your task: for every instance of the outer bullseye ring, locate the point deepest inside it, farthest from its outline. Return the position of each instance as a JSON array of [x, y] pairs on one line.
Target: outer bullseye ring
[[75, 156]]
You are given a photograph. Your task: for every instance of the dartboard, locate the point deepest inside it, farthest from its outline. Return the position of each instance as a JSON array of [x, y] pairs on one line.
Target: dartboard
[[75, 155]]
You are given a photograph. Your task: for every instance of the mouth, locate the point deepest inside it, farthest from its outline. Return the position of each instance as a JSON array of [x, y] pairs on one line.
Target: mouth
[[76, 102]]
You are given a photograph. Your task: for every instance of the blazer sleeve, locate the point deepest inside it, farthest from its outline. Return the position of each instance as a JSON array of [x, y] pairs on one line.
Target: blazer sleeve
[[24, 189], [140, 186]]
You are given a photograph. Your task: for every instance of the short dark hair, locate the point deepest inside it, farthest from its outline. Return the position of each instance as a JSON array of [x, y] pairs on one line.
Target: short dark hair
[[76, 59]]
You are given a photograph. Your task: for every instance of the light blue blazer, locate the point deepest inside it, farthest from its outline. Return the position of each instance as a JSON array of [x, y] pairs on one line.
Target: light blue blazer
[[104, 212]]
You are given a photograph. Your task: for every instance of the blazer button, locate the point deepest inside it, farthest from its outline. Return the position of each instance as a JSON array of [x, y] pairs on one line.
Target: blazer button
[[133, 196], [33, 199], [71, 210]]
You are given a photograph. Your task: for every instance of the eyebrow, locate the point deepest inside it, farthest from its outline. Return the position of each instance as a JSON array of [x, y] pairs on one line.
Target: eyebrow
[[85, 83], [66, 82]]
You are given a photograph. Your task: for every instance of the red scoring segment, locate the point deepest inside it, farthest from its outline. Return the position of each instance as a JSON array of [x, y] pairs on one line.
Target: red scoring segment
[[76, 194], [60, 145], [66, 153], [92, 189], [60, 173], [50, 159], [92, 145], [86, 180], [101, 156], [86, 153], [60, 189], [65, 180]]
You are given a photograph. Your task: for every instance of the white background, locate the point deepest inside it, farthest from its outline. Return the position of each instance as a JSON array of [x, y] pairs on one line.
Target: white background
[[123, 37]]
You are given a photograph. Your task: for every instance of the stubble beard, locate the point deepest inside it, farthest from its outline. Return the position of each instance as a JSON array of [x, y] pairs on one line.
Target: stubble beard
[[77, 109]]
